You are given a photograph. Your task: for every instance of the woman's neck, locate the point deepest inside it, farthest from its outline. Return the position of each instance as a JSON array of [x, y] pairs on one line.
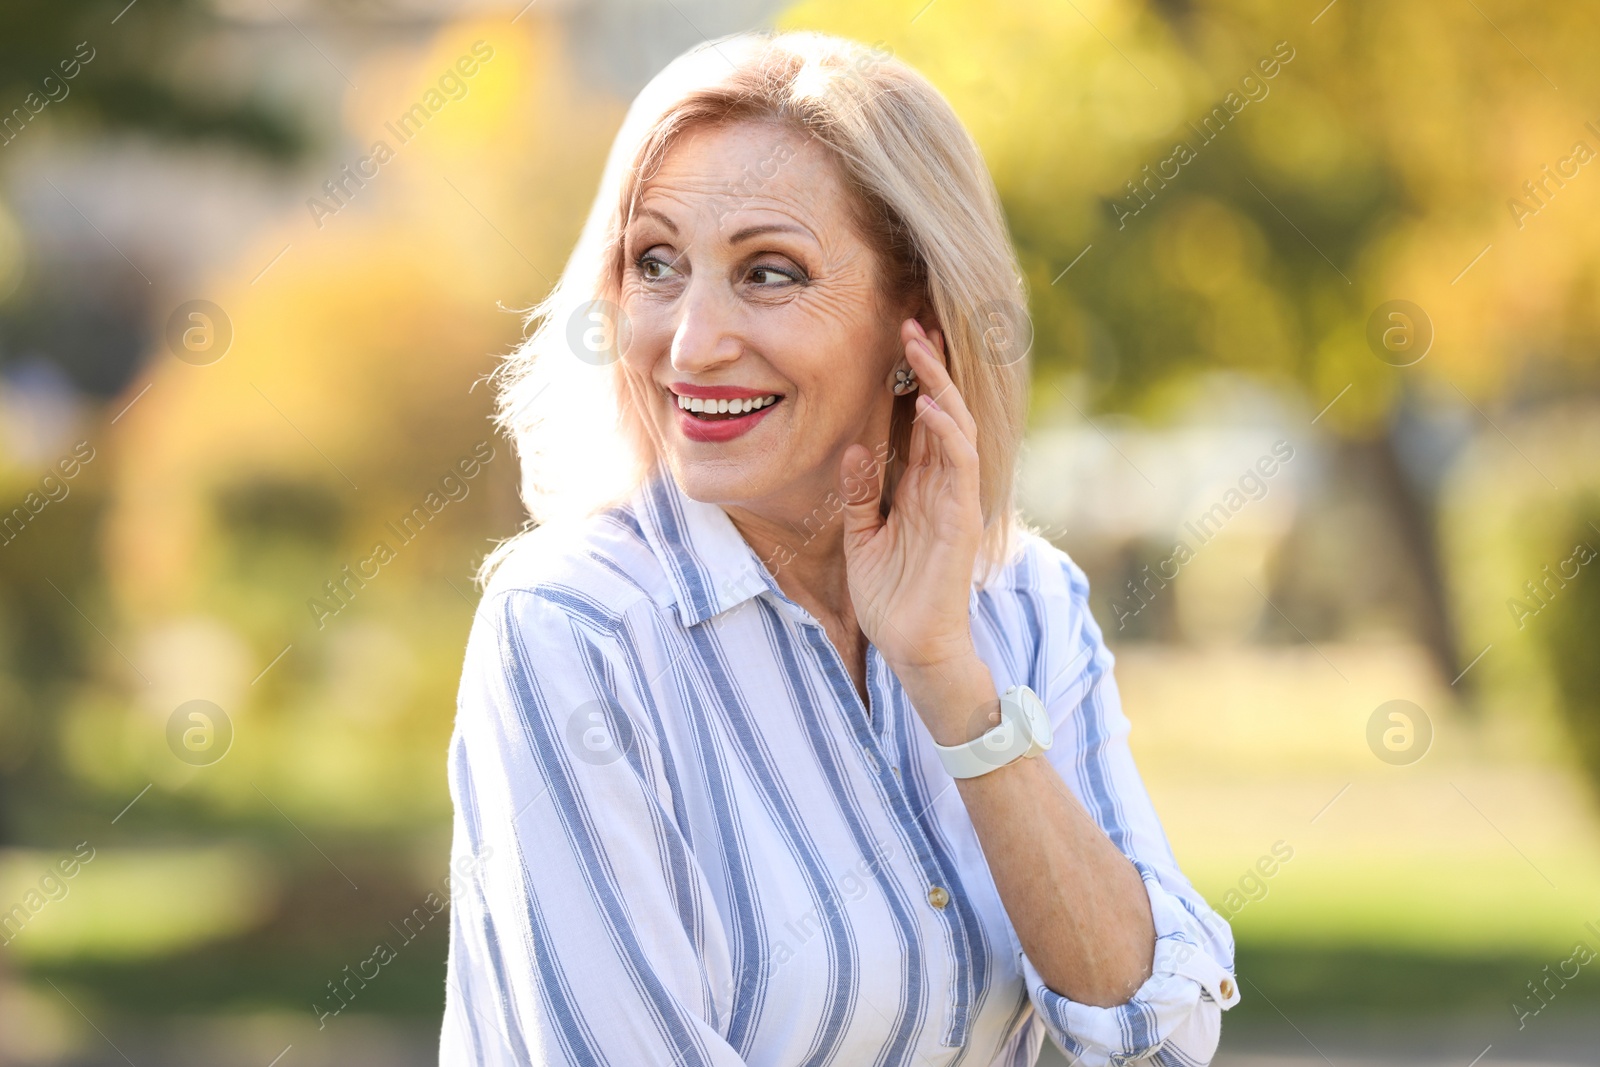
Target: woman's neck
[[806, 561]]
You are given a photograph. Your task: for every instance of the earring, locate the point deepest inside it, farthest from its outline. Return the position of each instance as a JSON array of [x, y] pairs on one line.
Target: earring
[[905, 381]]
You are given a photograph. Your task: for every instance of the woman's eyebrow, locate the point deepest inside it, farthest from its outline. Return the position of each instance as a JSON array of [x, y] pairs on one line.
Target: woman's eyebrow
[[768, 227], [743, 234], [659, 217]]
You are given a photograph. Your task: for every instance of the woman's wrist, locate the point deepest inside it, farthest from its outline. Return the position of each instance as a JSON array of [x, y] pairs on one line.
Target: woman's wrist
[[955, 697]]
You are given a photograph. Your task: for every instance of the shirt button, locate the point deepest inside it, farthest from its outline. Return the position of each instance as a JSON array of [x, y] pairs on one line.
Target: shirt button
[[896, 771], [1226, 986], [938, 897]]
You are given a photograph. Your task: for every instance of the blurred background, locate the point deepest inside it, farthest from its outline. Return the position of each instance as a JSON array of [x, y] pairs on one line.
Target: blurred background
[[1315, 326]]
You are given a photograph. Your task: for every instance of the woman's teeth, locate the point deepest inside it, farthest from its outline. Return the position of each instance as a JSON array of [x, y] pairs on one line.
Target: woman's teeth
[[712, 409]]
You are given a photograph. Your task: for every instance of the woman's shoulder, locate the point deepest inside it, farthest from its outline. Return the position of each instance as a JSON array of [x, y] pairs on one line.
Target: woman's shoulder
[[1040, 594], [1036, 565], [595, 569], [1037, 608]]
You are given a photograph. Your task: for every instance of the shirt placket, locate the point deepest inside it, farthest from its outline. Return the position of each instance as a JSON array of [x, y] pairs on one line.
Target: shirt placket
[[940, 880], [870, 728]]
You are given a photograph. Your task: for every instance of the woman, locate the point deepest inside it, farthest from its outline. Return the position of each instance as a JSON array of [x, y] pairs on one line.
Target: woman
[[779, 740]]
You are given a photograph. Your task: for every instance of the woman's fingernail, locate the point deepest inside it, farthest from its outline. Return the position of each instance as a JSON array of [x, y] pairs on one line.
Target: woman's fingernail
[[925, 401]]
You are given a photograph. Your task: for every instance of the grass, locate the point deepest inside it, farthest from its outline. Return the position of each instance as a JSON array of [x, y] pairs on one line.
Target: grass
[[1310, 980], [1431, 891]]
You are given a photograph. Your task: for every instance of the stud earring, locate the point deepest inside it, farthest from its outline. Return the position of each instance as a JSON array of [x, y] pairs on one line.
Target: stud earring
[[905, 381]]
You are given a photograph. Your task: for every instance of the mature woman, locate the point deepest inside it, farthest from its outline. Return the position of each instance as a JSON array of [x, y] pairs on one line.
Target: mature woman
[[780, 741]]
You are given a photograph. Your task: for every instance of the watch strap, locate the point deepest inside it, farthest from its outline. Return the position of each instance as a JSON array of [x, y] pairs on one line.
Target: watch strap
[[992, 749]]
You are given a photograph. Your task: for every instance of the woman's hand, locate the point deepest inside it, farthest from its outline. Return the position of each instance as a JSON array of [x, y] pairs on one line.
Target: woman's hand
[[910, 574]]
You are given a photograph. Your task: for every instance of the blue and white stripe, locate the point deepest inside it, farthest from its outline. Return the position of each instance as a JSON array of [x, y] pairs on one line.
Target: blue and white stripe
[[690, 843]]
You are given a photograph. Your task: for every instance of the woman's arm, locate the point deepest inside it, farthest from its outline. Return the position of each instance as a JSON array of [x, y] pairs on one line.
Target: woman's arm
[[1077, 903], [1112, 957], [583, 932], [1123, 958]]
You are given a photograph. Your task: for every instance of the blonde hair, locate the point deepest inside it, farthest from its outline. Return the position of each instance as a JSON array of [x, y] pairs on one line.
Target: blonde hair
[[923, 199]]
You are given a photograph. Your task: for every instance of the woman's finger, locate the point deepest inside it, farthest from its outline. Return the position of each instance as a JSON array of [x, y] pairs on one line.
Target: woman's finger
[[920, 452], [948, 445], [934, 380], [861, 480]]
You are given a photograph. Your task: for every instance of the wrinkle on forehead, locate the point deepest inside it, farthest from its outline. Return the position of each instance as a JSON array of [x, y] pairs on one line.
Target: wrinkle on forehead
[[708, 176]]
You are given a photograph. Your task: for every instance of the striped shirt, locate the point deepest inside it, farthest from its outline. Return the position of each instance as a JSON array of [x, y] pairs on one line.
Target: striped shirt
[[683, 839]]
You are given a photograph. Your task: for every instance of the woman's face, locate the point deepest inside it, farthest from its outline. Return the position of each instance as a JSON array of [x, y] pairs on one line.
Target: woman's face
[[745, 282]]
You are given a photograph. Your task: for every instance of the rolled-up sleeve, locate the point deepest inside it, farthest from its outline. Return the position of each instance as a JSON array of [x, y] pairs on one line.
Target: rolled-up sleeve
[[582, 931], [1174, 1018]]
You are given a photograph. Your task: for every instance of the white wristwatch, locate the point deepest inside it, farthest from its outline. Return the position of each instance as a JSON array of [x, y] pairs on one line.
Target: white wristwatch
[[1023, 733]]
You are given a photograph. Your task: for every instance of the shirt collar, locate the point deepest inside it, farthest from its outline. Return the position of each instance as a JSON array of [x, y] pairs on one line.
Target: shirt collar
[[708, 563]]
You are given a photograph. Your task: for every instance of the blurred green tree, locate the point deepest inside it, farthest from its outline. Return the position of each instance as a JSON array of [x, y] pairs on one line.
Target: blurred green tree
[[1571, 647], [123, 68], [1246, 184], [137, 68]]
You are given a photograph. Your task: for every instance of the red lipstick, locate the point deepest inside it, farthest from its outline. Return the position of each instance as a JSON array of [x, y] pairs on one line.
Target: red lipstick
[[726, 427]]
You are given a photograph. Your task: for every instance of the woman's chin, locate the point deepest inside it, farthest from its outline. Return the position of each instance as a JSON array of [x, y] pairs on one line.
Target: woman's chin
[[730, 476]]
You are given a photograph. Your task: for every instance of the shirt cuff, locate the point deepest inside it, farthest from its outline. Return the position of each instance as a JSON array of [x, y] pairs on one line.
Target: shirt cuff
[[1178, 1009]]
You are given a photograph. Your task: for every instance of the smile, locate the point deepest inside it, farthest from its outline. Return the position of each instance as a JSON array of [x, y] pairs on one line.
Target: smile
[[718, 413], [709, 410]]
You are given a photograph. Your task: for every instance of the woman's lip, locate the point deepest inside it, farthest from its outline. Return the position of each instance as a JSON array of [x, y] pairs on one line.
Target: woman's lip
[[719, 392], [720, 430]]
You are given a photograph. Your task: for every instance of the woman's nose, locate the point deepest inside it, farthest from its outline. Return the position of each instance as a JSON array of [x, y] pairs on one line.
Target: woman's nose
[[707, 329]]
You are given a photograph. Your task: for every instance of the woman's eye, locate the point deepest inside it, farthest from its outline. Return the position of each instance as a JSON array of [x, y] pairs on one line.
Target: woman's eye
[[765, 273], [653, 267]]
